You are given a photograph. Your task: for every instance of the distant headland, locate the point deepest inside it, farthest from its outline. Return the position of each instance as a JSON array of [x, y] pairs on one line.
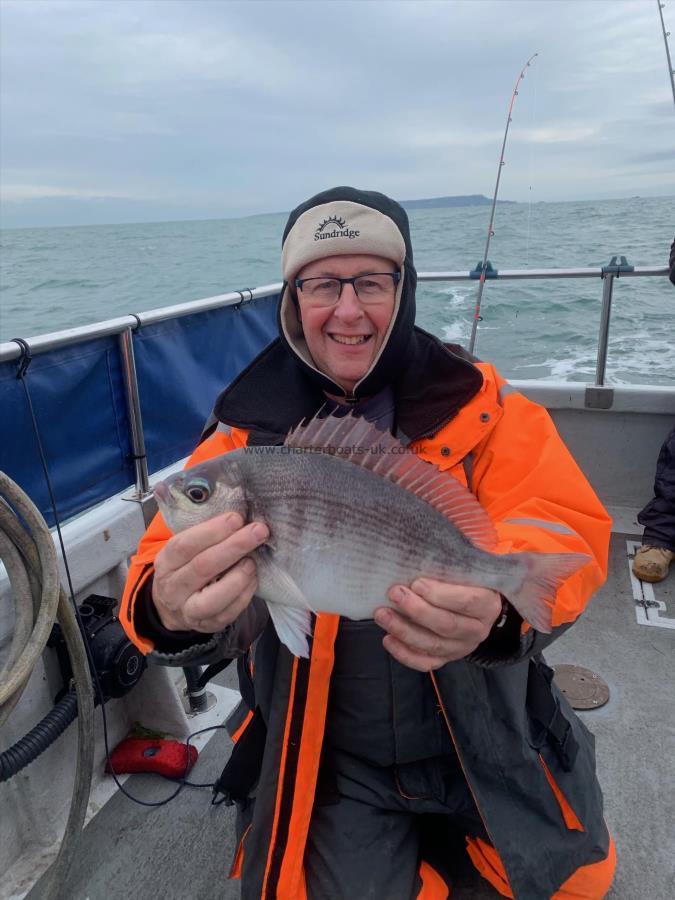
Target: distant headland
[[439, 202]]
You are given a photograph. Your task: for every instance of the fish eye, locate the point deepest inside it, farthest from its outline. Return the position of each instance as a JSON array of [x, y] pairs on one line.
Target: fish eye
[[198, 490]]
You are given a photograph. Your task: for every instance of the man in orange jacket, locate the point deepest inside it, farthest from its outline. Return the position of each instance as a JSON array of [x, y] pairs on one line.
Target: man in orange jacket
[[353, 769]]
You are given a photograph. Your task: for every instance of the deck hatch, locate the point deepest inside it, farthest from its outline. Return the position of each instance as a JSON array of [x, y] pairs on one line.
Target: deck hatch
[[583, 688]]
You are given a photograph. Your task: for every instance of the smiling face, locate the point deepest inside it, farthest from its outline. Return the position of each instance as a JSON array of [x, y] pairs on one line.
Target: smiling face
[[344, 339]]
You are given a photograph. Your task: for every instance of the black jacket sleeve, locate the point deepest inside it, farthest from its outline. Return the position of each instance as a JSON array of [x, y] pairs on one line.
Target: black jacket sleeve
[[182, 648]]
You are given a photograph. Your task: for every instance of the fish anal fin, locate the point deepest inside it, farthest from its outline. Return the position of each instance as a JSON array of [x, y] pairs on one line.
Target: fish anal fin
[[288, 606], [292, 626], [359, 442]]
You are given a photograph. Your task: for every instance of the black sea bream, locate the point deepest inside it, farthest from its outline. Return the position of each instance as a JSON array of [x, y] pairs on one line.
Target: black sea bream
[[351, 512]]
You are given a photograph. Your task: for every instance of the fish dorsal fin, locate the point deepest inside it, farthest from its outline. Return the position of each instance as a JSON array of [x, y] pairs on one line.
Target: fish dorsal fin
[[355, 440]]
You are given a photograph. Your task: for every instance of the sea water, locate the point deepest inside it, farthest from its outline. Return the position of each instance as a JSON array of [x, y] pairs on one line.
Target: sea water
[[55, 278]]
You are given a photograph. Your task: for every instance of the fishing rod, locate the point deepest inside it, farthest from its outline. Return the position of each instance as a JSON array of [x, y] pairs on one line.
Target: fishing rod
[[666, 34], [481, 283]]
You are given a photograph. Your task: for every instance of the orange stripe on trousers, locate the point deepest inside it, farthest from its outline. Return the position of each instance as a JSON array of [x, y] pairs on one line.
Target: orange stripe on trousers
[[242, 728], [282, 769], [433, 886], [321, 666]]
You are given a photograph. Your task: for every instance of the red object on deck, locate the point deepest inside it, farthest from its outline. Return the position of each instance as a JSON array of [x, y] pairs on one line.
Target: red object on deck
[[164, 757]]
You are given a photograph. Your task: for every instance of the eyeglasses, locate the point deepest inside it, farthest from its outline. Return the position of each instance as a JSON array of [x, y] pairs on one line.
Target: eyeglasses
[[371, 288]]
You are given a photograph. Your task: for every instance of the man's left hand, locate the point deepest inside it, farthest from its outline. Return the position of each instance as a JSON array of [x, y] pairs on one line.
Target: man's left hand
[[435, 622]]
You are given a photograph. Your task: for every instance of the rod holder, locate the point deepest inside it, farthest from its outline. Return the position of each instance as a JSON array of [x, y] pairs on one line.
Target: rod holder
[[196, 693]]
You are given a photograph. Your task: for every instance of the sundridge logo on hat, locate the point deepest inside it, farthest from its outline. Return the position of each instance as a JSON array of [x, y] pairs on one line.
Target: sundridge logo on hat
[[335, 227]]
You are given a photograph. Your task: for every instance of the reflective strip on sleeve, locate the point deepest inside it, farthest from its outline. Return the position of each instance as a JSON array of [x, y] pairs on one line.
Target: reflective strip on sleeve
[[558, 527]]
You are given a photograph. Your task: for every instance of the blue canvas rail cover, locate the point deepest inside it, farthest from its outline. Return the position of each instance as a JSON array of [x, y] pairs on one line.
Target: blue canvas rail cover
[[79, 400]]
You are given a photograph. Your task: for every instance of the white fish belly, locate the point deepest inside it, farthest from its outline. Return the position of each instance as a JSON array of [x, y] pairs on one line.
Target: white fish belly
[[348, 579], [344, 542]]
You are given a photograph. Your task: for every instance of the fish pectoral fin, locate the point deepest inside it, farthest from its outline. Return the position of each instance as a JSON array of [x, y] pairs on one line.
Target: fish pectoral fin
[[273, 581], [292, 626], [290, 611]]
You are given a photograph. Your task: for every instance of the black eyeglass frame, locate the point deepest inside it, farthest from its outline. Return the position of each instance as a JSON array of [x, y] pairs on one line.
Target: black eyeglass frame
[[395, 276]]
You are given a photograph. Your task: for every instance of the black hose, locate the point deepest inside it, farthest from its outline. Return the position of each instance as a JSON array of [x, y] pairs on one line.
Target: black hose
[[31, 745]]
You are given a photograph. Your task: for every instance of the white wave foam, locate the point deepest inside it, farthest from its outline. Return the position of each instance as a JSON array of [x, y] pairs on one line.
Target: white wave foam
[[458, 332], [562, 369], [454, 292], [657, 367]]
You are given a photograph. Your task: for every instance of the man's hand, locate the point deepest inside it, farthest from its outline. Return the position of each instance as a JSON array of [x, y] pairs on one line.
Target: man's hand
[[435, 622], [185, 591]]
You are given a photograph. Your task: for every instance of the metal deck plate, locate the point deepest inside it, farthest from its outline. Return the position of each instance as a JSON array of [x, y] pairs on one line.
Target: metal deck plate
[[583, 688]]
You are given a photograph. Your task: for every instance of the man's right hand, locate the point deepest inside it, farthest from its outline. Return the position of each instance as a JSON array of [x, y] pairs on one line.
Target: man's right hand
[[184, 590]]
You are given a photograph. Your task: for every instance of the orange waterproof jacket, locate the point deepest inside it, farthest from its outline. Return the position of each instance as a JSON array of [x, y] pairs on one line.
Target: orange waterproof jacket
[[541, 806], [521, 473]]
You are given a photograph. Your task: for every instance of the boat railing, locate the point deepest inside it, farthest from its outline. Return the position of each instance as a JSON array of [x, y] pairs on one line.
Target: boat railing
[[608, 274], [125, 327]]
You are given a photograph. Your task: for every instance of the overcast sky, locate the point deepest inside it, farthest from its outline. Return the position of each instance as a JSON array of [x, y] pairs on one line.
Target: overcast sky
[[134, 110]]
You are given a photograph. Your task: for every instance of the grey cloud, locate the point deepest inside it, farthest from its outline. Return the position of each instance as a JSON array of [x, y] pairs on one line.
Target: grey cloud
[[229, 108], [660, 156]]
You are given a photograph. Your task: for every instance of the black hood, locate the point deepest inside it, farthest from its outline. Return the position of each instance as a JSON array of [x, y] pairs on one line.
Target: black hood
[[431, 382]]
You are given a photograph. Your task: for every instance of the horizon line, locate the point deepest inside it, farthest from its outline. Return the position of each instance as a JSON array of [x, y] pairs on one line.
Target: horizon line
[[286, 212]]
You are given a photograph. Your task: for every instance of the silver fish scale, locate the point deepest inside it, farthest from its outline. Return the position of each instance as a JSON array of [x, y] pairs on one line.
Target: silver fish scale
[[345, 534]]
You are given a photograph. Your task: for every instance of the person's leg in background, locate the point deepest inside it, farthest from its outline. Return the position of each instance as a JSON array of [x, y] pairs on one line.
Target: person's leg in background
[[653, 559]]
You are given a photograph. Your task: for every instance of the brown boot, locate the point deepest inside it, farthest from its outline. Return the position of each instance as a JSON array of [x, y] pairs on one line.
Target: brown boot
[[652, 563]]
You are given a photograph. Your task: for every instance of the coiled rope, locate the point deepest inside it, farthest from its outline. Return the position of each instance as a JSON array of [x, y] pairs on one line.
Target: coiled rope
[[27, 551]]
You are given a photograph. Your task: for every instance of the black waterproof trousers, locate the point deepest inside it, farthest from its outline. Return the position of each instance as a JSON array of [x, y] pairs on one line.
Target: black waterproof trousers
[[372, 826], [658, 516], [391, 792]]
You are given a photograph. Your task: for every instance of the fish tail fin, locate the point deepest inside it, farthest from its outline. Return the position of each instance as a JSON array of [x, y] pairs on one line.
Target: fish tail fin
[[544, 574]]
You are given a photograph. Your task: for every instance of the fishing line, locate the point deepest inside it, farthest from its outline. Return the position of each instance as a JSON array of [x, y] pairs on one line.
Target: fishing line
[[24, 362], [490, 233]]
